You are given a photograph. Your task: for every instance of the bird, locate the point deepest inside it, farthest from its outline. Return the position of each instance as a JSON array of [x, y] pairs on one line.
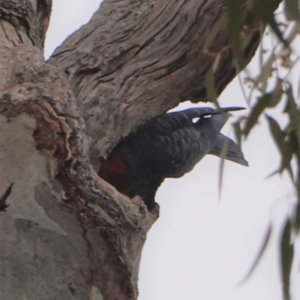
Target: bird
[[168, 146]]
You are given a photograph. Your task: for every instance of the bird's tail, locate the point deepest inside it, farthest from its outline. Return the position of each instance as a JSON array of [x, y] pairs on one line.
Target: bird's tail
[[228, 149]]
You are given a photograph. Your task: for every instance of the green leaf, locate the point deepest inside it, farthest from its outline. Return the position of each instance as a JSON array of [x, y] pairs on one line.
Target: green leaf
[[259, 255], [238, 132], [277, 133], [288, 149], [273, 24], [211, 92], [297, 216], [286, 255], [273, 173], [287, 145], [276, 95], [265, 11], [294, 114], [235, 26], [266, 73], [291, 8], [262, 103], [221, 173]]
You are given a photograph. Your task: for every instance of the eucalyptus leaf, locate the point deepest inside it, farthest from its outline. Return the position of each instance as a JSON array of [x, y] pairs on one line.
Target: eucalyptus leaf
[[297, 216], [221, 169], [289, 148], [238, 132], [277, 133], [291, 8], [294, 114], [276, 95], [210, 86], [259, 254], [235, 26], [273, 24], [286, 255], [262, 103]]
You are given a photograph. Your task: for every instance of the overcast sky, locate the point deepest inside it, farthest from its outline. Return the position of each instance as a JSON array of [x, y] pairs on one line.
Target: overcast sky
[[203, 245]]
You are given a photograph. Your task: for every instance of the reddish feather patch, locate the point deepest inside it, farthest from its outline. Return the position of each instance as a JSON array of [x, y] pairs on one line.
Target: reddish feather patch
[[115, 172]]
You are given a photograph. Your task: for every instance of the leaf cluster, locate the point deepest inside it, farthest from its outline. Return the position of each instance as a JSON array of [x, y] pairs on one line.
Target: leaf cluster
[[273, 89]]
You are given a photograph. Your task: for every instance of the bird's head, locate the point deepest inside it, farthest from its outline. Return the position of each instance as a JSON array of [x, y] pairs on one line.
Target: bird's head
[[217, 117]]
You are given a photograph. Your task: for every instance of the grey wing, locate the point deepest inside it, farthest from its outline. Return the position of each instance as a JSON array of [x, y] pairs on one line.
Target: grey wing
[[171, 155], [233, 153]]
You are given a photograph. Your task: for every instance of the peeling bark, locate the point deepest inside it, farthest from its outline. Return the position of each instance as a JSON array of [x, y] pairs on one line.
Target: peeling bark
[[67, 234]]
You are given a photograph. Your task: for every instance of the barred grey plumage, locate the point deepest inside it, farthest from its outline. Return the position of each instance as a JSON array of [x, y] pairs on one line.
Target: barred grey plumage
[[168, 146]]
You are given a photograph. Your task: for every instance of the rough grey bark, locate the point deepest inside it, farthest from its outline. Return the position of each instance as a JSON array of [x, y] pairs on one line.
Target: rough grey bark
[[67, 234]]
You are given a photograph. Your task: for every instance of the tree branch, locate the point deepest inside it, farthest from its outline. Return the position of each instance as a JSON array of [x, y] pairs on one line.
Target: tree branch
[[137, 59]]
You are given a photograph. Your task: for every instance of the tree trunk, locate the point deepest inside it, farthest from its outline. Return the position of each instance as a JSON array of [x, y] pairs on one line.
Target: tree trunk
[[67, 234]]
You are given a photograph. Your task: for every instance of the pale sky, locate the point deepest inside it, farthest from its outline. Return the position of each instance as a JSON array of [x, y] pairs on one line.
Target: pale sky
[[203, 245]]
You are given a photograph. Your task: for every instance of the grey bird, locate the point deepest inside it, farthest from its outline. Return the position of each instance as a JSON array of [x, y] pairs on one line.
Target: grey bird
[[168, 146]]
